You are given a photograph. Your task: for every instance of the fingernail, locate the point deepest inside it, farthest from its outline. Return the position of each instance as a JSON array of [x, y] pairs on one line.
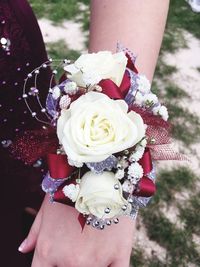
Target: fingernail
[[22, 246]]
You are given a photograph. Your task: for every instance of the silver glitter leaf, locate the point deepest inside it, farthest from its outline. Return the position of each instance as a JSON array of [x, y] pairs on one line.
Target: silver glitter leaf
[[107, 164]]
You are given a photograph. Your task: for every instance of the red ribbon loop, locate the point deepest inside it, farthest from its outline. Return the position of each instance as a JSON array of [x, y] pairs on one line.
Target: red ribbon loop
[[112, 90], [58, 166], [146, 188], [146, 162]]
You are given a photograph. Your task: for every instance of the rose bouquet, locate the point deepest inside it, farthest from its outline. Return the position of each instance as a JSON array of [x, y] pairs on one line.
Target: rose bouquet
[[111, 128]]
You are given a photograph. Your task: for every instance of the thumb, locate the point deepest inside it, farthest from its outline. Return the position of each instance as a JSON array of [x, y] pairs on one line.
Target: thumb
[[29, 243]]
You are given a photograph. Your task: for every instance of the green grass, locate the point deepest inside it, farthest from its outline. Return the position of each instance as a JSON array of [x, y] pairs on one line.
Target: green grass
[[180, 18], [58, 10], [186, 125], [170, 182], [188, 214]]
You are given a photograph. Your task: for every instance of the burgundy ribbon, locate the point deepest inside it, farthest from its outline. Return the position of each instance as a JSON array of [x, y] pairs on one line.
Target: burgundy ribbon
[[146, 187], [58, 166], [112, 90]]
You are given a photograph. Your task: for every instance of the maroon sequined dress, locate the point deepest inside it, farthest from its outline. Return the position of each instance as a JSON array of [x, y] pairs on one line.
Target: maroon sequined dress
[[21, 50]]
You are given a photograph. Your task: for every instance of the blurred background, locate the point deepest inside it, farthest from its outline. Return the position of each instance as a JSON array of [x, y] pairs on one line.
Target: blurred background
[[169, 229]]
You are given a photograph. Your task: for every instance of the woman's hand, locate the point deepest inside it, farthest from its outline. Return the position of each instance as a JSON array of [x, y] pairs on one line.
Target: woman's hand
[[59, 240]]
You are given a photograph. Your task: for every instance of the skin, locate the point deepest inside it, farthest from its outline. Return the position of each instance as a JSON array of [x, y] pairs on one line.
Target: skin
[[56, 234]]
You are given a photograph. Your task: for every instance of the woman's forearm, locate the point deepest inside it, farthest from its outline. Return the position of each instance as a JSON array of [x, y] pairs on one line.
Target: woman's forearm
[[136, 24]]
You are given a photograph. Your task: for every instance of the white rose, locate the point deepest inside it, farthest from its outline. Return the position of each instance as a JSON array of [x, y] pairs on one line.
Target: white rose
[[101, 65], [97, 193], [95, 127]]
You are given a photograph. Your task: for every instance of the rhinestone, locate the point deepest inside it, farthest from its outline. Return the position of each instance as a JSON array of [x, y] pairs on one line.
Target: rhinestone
[[126, 152], [116, 186], [6, 143], [107, 210], [88, 222], [152, 140], [38, 163], [30, 75], [116, 220]]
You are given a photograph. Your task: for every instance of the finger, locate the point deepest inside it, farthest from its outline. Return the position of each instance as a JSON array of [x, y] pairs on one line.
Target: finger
[[29, 243]]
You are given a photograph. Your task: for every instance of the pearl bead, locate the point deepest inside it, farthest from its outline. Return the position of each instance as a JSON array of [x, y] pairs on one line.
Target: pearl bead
[[44, 66], [124, 207], [37, 71], [116, 186], [43, 110], [116, 220], [55, 72], [16, 83], [24, 95], [27, 64], [3, 41], [50, 90], [102, 227], [34, 114], [30, 75], [50, 59], [3, 22], [96, 223], [18, 69], [4, 82], [108, 222], [5, 120], [107, 210]]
